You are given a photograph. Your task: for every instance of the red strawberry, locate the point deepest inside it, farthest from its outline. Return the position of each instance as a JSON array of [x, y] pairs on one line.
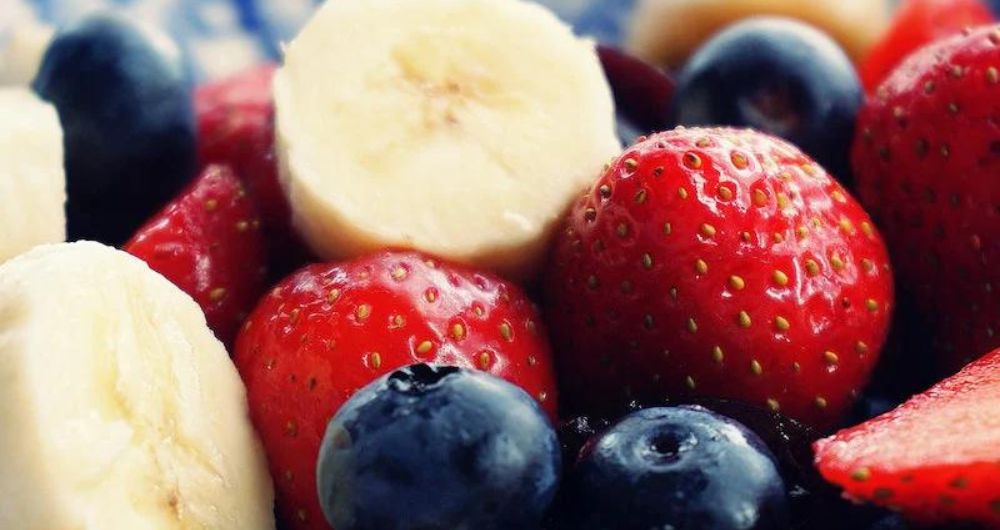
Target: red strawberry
[[207, 242], [236, 127], [916, 24], [927, 160], [724, 263], [936, 457], [328, 330]]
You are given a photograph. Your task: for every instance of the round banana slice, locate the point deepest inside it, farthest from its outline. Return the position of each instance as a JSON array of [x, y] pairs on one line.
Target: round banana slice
[[463, 128], [120, 409], [32, 179], [666, 32], [21, 52]]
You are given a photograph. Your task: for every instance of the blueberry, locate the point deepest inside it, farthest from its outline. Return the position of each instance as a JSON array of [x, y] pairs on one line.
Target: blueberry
[[683, 468], [814, 504], [124, 98], [438, 448], [994, 6], [788, 440], [779, 76]]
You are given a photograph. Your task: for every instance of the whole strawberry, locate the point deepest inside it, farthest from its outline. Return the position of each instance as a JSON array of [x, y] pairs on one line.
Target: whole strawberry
[[927, 160], [936, 458], [236, 127], [207, 241], [718, 262], [329, 330], [915, 24]]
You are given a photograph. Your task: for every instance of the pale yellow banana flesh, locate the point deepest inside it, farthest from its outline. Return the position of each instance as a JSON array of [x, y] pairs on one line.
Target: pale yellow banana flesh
[[666, 32], [120, 409], [32, 179], [463, 128]]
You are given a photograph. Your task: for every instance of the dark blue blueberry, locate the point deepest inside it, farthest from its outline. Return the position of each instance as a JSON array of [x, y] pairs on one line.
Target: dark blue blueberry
[[814, 504], [438, 448], [683, 468], [778, 76], [994, 7], [124, 99]]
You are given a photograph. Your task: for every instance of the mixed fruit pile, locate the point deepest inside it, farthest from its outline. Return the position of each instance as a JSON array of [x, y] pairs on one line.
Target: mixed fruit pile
[[410, 278]]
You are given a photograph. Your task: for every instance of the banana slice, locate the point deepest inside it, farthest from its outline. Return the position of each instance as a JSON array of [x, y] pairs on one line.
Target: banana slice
[[463, 128], [666, 32], [32, 180], [21, 52], [120, 410]]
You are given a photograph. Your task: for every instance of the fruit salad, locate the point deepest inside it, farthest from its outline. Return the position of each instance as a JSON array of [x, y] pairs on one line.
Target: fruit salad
[[503, 265]]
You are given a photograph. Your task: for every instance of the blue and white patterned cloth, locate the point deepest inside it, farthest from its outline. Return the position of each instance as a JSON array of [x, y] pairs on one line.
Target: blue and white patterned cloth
[[223, 36]]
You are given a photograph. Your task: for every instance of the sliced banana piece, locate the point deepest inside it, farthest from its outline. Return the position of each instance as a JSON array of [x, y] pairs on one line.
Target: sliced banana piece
[[120, 409], [463, 128], [32, 179], [21, 52], [666, 32]]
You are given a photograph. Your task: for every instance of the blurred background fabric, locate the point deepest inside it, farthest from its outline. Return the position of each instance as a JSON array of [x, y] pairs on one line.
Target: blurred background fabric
[[224, 36]]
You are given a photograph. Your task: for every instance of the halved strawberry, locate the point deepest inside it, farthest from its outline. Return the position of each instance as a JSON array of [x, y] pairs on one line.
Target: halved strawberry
[[936, 458], [722, 263], [207, 241], [330, 329]]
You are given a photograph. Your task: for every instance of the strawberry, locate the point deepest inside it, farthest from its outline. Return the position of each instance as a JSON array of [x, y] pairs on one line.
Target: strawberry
[[236, 127], [723, 263], [936, 458], [207, 242], [916, 24], [927, 160], [330, 329]]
